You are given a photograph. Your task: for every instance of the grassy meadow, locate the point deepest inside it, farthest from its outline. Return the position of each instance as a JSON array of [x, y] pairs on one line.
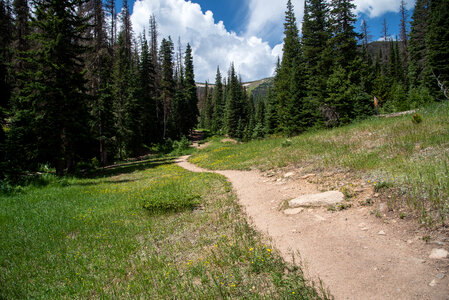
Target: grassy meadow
[[144, 230], [412, 159]]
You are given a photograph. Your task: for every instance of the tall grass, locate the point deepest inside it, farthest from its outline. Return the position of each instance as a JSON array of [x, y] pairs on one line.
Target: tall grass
[[413, 156], [145, 230]]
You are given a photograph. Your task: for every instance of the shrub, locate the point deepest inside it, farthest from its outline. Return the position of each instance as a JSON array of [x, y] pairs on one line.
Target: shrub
[[179, 147], [286, 143], [416, 118]]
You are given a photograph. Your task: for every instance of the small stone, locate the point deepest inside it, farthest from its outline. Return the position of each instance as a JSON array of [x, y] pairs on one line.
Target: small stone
[[382, 232], [433, 283], [362, 225], [289, 174], [308, 176], [375, 269], [293, 211], [376, 195], [359, 190], [440, 275], [409, 242], [364, 247], [437, 243], [438, 254], [364, 229], [383, 208]]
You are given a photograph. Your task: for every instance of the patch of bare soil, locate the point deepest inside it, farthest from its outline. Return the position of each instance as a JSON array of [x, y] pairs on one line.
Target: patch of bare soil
[[229, 140], [355, 253]]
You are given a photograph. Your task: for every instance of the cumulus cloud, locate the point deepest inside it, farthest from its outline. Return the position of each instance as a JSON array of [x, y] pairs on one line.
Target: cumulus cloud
[[376, 8], [211, 42], [266, 18]]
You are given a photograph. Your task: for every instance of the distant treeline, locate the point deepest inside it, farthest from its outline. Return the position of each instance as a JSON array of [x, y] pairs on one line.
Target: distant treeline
[[330, 75], [73, 89]]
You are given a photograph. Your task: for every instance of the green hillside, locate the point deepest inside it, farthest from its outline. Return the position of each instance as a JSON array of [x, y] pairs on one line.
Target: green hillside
[[412, 159]]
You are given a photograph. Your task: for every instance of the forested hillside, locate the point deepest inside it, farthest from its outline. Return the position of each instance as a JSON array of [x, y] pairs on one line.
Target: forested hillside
[[74, 89], [330, 74]]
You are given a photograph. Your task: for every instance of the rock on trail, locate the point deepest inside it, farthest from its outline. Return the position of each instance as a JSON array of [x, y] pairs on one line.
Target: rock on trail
[[320, 199], [344, 249]]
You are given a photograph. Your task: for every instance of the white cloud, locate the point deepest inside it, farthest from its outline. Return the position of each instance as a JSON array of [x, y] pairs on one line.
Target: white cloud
[[376, 8], [266, 17], [212, 44]]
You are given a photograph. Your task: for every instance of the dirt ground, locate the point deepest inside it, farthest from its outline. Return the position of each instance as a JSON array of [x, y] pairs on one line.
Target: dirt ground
[[356, 254]]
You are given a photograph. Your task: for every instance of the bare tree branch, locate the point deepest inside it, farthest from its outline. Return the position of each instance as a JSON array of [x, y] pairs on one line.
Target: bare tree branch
[[441, 85]]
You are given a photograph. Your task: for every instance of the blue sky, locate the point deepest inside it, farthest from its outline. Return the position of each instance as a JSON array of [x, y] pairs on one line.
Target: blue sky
[[246, 32]]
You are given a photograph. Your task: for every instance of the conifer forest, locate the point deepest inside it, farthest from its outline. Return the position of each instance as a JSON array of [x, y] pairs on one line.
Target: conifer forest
[[77, 85]]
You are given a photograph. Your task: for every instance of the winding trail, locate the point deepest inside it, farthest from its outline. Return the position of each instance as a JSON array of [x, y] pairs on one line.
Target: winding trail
[[356, 255]]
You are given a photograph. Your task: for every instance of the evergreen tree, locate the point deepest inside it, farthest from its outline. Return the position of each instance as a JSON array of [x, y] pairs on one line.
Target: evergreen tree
[[218, 104], [167, 82], [291, 61], [417, 43], [315, 37], [344, 37], [437, 43], [100, 82], [234, 108], [147, 75], [191, 114], [6, 25], [122, 77], [52, 103]]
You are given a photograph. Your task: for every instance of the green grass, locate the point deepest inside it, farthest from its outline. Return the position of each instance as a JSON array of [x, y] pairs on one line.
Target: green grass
[[413, 158], [143, 230]]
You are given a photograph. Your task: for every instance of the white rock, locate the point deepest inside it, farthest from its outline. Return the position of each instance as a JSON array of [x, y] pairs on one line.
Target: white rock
[[321, 199], [308, 176], [293, 211], [382, 232], [438, 254], [289, 174], [433, 283], [383, 208]]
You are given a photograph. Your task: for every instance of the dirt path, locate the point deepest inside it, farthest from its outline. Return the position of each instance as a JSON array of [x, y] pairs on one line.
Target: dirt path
[[355, 254]]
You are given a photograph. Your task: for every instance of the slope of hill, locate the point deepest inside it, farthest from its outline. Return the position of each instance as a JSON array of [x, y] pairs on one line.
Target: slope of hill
[[409, 160]]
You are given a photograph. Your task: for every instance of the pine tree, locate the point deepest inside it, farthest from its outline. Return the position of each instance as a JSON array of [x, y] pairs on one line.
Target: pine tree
[[6, 25], [437, 42], [207, 108], [112, 15], [315, 37], [147, 75], [291, 60], [339, 105], [192, 113], [53, 98], [218, 109], [417, 43], [234, 108], [99, 79], [122, 77], [385, 34], [344, 37], [167, 82], [271, 115]]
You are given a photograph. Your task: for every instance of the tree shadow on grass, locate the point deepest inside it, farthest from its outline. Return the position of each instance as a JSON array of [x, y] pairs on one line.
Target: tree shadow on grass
[[130, 167]]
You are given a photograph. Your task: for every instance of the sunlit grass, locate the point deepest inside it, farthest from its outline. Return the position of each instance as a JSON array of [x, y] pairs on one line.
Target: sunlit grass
[[414, 156], [145, 230]]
